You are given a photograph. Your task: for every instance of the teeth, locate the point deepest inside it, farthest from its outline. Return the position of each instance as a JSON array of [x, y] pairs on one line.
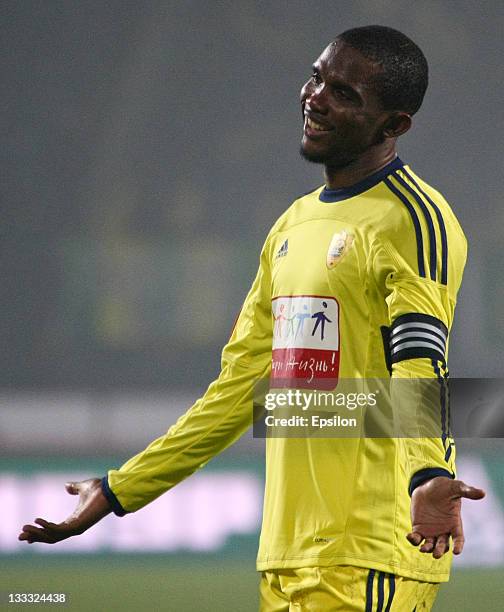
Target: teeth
[[315, 126]]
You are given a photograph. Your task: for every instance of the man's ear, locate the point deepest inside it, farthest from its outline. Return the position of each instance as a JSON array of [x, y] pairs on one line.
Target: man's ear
[[397, 125]]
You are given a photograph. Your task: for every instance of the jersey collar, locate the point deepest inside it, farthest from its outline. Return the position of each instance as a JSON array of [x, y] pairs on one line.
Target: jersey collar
[[335, 195]]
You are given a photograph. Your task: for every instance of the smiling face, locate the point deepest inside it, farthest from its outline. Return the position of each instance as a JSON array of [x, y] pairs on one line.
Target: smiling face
[[343, 116]]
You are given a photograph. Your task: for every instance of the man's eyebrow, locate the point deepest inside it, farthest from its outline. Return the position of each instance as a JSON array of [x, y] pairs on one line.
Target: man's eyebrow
[[336, 81]]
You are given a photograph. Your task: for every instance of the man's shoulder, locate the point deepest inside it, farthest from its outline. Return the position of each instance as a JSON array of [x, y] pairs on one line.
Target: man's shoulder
[[435, 202], [420, 226], [410, 203], [424, 188]]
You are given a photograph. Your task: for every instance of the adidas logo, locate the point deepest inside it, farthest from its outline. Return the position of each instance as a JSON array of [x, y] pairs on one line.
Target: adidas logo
[[283, 250]]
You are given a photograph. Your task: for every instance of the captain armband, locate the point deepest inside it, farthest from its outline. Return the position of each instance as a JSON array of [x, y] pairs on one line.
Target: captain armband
[[415, 335]]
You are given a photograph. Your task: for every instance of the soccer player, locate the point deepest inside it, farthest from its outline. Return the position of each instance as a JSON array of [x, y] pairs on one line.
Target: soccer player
[[357, 524]]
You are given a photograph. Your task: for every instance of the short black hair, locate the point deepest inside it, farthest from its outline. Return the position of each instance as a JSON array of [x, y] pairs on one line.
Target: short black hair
[[403, 81]]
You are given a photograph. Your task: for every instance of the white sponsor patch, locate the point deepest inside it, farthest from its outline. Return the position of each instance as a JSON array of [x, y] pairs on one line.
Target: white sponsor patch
[[306, 341]]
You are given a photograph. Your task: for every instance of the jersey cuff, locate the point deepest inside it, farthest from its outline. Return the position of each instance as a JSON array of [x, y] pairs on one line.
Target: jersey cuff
[[427, 474], [117, 509], [416, 335]]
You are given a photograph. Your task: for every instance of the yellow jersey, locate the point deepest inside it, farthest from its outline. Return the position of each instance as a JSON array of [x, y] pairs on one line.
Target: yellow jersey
[[364, 280]]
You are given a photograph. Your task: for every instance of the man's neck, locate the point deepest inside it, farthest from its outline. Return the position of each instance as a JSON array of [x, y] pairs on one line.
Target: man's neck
[[370, 162]]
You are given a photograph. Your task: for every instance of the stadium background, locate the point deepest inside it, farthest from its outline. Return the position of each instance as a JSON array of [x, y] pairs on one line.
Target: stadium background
[[147, 148]]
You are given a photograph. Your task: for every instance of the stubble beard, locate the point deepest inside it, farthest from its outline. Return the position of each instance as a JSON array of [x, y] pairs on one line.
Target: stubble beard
[[330, 159]]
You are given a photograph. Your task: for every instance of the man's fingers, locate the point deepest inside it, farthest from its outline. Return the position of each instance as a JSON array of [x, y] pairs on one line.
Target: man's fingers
[[47, 532], [42, 536], [458, 540], [32, 534], [24, 536], [472, 492], [461, 489], [45, 524], [28, 532], [414, 538], [428, 545], [31, 529], [458, 545], [442, 546]]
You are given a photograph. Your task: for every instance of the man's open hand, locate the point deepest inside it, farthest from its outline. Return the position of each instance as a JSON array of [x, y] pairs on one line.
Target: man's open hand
[[435, 515], [92, 507]]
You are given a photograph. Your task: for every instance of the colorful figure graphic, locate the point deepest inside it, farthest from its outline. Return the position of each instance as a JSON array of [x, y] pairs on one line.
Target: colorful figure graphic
[[278, 321], [290, 323], [320, 320], [301, 316]]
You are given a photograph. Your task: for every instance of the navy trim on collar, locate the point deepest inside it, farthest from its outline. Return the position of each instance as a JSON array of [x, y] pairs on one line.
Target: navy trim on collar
[[335, 195]]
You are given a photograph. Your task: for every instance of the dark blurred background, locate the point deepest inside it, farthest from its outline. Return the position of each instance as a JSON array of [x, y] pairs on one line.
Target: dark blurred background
[[147, 149]]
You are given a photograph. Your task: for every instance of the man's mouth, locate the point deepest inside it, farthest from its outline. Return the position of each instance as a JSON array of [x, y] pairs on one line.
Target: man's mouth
[[312, 127]]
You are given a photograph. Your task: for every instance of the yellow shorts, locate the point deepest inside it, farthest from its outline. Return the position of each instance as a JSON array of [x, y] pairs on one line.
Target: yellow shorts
[[343, 588]]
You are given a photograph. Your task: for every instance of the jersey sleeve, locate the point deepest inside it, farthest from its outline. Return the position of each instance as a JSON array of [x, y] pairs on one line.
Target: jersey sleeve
[[420, 295], [216, 420]]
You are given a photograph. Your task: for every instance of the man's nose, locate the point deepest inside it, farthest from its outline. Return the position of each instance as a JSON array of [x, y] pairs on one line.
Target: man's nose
[[316, 98]]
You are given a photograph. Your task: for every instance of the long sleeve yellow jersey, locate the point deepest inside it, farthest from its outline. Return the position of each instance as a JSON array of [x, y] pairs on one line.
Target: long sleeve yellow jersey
[[365, 278]]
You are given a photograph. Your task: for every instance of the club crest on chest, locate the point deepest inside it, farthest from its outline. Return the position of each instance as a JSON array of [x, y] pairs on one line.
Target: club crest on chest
[[338, 248]]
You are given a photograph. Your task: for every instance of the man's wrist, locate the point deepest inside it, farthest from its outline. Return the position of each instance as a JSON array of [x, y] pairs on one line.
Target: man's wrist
[[115, 504], [423, 476]]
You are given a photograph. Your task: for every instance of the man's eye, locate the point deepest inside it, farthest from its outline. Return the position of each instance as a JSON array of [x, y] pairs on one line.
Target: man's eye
[[316, 77], [342, 93]]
